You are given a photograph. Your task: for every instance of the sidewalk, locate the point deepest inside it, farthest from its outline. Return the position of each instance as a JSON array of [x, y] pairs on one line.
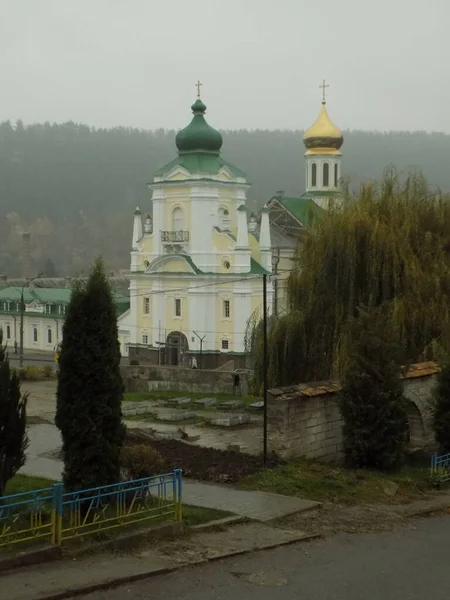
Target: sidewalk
[[67, 577]]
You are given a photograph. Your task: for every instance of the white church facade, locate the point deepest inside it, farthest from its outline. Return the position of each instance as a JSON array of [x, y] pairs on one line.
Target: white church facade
[[197, 264]]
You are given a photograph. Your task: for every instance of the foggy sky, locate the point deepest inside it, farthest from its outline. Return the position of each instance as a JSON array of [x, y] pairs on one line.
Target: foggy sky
[[135, 62]]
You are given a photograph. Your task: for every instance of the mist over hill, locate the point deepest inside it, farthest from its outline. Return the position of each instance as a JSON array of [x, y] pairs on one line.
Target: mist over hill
[[74, 188]]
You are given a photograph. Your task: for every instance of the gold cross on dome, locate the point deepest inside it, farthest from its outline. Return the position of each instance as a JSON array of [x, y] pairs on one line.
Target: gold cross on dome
[[324, 86], [198, 85]]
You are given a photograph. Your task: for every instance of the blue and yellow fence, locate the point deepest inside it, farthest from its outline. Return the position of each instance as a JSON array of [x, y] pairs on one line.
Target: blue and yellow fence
[[54, 515], [440, 466]]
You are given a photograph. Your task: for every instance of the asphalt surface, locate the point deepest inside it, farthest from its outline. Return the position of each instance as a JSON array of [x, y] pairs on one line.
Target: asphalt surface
[[408, 564]]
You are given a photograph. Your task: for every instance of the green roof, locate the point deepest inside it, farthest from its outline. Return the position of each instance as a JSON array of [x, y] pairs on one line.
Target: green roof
[[304, 209], [198, 135], [52, 296], [200, 162], [255, 267]]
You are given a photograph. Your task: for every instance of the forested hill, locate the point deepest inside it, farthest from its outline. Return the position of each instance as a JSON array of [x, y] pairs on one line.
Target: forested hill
[[75, 188]]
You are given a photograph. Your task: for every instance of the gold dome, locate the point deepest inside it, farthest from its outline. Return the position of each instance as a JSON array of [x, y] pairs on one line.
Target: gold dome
[[323, 137]]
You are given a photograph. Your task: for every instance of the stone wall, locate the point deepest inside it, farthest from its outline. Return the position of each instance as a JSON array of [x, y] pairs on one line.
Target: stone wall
[[305, 420], [144, 378], [147, 355]]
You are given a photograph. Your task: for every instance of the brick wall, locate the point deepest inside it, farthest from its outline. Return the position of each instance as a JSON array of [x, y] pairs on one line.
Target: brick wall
[[144, 378], [305, 420]]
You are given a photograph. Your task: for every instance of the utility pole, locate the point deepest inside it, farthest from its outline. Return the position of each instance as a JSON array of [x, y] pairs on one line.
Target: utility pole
[[275, 261], [22, 312], [265, 365], [201, 348]]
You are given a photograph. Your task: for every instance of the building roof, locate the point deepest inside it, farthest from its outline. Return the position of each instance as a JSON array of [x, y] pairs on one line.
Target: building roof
[[48, 295], [323, 134], [198, 135], [199, 147], [118, 283], [304, 209], [200, 162]]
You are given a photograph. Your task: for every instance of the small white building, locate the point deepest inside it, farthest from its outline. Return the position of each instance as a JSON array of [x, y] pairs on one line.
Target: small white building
[[43, 318]]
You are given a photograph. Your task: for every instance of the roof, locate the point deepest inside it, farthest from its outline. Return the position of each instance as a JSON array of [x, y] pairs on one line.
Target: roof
[[47, 295], [326, 388], [200, 162], [304, 209], [255, 267], [118, 283]]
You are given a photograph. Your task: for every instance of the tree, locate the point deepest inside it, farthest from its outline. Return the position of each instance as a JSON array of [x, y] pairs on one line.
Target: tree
[[371, 398], [441, 417], [13, 406], [387, 245], [90, 387]]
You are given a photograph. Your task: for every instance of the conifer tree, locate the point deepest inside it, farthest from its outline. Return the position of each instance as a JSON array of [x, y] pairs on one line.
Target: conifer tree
[[90, 387], [441, 417], [13, 405], [371, 399]]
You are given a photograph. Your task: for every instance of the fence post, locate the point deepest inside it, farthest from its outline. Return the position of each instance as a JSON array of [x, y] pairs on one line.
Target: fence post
[[178, 480], [57, 497]]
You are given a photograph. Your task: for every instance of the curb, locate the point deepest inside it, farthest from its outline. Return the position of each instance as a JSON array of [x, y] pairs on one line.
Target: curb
[[118, 581]]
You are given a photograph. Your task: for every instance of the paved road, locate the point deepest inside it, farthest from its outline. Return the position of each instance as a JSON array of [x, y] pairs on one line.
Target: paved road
[[410, 564]]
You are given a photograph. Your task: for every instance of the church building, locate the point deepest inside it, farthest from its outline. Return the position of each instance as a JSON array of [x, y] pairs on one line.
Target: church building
[[291, 217], [197, 261]]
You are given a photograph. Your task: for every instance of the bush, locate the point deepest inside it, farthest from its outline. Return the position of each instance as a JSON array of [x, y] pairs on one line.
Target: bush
[[47, 371], [441, 416], [139, 461], [371, 399]]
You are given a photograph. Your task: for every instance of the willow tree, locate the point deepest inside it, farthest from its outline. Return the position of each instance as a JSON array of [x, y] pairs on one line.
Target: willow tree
[[389, 244]]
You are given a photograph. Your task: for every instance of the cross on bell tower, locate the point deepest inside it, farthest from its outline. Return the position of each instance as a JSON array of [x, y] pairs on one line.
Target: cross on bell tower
[[324, 86]]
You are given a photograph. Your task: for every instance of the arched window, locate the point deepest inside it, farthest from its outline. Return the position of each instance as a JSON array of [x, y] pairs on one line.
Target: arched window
[[8, 332], [35, 334], [224, 217], [313, 175], [335, 175], [177, 219], [49, 336], [326, 175]]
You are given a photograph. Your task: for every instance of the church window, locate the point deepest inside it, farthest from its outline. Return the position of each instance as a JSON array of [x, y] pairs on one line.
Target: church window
[[313, 175], [326, 174], [178, 307], [224, 218], [49, 336], [225, 345], [177, 219], [8, 332], [335, 175], [146, 306], [145, 338], [35, 334], [226, 309]]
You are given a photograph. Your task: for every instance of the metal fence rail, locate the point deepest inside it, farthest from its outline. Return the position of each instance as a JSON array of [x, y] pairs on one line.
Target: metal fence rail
[[53, 515], [440, 465], [112, 506], [28, 516]]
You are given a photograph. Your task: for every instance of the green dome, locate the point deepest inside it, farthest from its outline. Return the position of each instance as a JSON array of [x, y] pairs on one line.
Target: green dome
[[198, 136]]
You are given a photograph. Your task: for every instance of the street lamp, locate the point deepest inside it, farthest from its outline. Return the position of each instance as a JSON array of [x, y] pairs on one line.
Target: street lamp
[[22, 312]]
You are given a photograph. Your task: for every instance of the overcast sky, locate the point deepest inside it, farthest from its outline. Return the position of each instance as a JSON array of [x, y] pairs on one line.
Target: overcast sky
[[135, 62]]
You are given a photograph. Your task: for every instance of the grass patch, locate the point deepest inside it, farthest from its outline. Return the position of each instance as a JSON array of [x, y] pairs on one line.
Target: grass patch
[[168, 394], [27, 483], [328, 483]]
